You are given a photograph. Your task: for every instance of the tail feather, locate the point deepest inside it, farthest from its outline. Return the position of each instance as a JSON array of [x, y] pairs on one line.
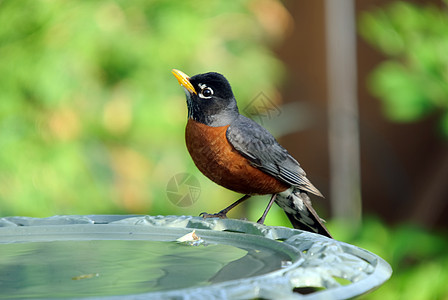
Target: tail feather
[[297, 206]]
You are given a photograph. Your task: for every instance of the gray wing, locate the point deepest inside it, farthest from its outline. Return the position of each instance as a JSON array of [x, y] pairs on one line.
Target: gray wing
[[263, 151]]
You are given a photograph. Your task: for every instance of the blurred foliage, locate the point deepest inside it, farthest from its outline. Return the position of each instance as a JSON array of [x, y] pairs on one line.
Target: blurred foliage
[[91, 118], [413, 82], [418, 258]]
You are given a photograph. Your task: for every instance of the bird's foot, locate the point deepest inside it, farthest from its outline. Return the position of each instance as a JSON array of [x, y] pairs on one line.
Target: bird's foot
[[261, 221], [221, 215]]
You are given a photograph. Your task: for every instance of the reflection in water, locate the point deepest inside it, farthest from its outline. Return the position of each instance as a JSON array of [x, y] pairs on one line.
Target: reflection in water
[[105, 267]]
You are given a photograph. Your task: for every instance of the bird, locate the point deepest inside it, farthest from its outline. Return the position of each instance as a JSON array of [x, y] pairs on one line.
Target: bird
[[241, 155]]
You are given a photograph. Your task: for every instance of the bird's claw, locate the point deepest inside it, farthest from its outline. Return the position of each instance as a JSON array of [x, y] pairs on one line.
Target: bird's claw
[[221, 215]]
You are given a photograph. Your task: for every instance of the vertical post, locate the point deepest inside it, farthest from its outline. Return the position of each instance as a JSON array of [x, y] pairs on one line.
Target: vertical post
[[345, 190]]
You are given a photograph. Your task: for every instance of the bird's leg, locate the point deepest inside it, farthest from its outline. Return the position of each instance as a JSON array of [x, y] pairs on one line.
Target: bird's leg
[[223, 213], [265, 213]]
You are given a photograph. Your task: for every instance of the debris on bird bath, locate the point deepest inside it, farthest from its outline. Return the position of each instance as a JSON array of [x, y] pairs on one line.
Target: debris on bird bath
[[191, 239]]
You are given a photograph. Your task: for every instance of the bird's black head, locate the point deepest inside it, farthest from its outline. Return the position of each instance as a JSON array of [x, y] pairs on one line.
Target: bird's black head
[[210, 98]]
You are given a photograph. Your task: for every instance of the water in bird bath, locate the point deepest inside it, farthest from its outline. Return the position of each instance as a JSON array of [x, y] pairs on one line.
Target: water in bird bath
[[121, 267]]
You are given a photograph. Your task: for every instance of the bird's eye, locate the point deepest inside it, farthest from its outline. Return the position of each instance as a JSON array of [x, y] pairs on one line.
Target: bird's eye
[[206, 93]]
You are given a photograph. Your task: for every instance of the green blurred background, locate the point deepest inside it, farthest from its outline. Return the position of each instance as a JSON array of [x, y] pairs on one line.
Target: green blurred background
[[92, 120]]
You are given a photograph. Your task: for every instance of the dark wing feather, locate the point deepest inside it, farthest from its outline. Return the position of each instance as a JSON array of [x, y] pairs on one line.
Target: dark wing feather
[[298, 208], [264, 152]]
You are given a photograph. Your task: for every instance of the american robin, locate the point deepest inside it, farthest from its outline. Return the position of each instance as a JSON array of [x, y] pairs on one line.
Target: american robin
[[239, 154]]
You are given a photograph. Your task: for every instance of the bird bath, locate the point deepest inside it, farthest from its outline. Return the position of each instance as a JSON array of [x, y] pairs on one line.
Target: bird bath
[[139, 257]]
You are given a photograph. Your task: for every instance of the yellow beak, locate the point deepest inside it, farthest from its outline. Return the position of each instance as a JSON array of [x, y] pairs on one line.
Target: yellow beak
[[184, 80]]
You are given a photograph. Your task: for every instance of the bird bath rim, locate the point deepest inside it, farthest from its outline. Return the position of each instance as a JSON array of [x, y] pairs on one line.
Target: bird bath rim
[[315, 260]]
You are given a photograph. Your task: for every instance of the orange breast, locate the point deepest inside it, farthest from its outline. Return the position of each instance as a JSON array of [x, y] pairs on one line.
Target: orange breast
[[219, 161]]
